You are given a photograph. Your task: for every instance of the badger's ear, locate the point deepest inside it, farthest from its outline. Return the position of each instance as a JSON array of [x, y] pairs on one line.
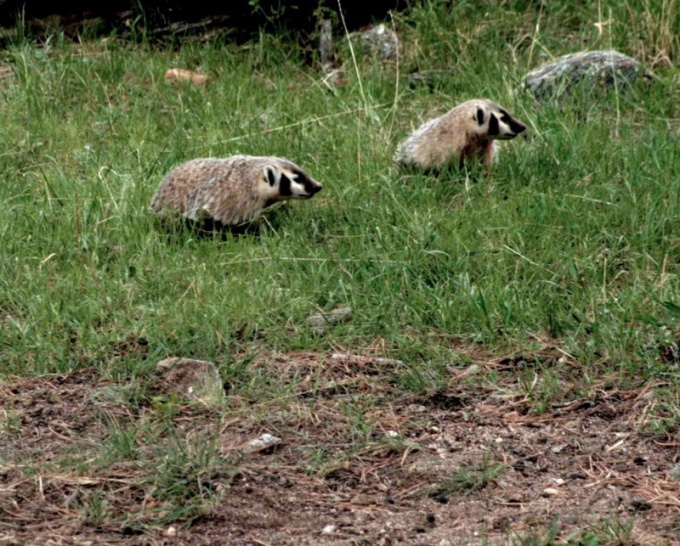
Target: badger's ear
[[479, 115], [272, 175]]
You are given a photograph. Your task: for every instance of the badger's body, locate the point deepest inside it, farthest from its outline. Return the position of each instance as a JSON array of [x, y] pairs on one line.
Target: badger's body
[[231, 190], [467, 132]]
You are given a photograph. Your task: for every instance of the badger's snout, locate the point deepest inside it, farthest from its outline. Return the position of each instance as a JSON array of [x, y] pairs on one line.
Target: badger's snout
[[517, 127], [313, 189]]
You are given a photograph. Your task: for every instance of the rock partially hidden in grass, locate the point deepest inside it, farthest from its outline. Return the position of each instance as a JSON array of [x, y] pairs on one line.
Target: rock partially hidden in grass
[[380, 40], [599, 70], [193, 379], [181, 75], [264, 442], [320, 323]]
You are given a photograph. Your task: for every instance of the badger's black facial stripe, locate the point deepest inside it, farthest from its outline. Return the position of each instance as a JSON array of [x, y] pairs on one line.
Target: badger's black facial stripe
[[515, 126], [480, 115], [284, 186], [303, 180], [271, 177], [493, 125]]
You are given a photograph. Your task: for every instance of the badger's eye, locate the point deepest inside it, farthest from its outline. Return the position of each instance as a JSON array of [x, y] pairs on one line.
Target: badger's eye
[[271, 176]]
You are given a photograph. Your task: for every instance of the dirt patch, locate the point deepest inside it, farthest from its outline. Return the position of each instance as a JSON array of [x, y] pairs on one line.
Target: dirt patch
[[83, 460]]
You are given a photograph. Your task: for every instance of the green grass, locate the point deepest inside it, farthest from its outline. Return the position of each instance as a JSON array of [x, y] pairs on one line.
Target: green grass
[[577, 244], [577, 240]]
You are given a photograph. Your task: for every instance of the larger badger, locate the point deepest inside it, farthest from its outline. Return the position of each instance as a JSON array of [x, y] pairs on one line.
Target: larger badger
[[467, 132], [231, 190]]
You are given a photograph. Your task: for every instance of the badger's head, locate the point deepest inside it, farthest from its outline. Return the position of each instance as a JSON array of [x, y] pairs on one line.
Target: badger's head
[[289, 182], [495, 122]]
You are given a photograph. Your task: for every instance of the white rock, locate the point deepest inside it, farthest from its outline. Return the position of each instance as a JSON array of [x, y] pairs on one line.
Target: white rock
[[263, 442]]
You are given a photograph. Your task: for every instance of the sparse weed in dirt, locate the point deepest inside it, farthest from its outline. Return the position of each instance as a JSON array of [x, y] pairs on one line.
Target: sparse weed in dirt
[[470, 478], [609, 531], [544, 314], [10, 423], [183, 475]]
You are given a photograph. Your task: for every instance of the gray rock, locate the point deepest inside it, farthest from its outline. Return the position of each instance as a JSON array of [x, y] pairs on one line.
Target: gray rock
[[320, 323], [197, 380], [600, 70], [381, 40]]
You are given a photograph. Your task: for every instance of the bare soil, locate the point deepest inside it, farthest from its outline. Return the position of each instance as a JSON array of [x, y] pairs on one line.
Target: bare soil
[[582, 466]]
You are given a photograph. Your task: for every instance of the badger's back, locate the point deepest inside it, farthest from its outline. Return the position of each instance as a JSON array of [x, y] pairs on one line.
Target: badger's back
[[436, 142], [183, 180]]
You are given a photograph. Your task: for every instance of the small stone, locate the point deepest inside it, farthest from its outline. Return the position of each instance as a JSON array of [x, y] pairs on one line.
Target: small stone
[[193, 379], [549, 492], [170, 532], [558, 448], [328, 530], [470, 370], [262, 443]]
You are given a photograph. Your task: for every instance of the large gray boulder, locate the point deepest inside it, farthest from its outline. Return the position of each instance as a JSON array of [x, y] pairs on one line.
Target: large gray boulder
[[599, 70]]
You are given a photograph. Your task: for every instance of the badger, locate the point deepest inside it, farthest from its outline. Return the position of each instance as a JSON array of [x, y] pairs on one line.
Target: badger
[[232, 190], [467, 132]]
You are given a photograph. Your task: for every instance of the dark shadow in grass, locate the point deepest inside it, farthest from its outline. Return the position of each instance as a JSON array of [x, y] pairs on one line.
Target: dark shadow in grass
[[176, 227], [449, 173]]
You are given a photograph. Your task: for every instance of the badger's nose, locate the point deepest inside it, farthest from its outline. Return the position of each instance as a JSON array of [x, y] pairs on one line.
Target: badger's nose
[[314, 189], [519, 127]]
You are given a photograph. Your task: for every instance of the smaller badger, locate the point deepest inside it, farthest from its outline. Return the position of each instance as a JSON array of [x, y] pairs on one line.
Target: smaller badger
[[231, 190], [467, 132]]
